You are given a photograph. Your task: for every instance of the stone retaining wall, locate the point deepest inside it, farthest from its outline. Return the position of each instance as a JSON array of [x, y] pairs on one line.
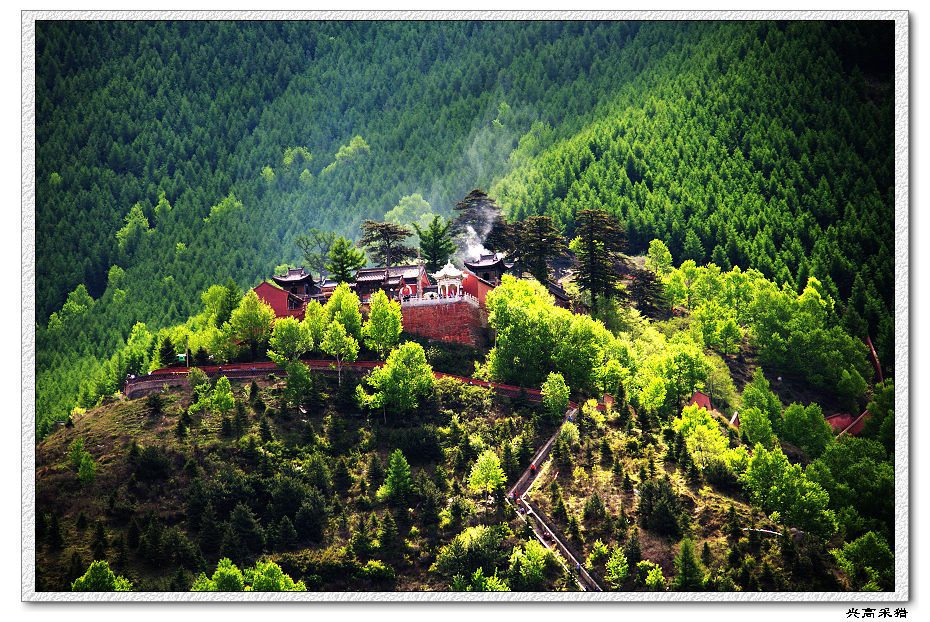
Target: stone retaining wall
[[456, 320]]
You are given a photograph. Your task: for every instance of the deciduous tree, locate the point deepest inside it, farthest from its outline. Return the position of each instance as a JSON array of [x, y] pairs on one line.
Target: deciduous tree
[[384, 325], [403, 380], [252, 322], [340, 345], [487, 474], [315, 247], [99, 578]]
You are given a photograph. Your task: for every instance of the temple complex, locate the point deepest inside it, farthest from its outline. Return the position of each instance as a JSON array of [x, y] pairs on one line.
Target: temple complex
[[448, 305]]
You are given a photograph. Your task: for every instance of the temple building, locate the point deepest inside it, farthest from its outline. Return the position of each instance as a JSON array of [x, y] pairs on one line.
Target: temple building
[[299, 282], [396, 281], [489, 267], [282, 302]]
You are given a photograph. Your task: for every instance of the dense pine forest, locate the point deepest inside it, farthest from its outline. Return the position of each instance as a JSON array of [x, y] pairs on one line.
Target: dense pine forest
[[745, 167]]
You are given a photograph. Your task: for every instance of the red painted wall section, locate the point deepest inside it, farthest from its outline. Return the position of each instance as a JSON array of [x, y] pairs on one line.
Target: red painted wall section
[[477, 288], [701, 400], [455, 321], [276, 298]]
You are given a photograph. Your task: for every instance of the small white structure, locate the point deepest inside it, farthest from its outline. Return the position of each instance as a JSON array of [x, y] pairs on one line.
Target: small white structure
[[449, 280]]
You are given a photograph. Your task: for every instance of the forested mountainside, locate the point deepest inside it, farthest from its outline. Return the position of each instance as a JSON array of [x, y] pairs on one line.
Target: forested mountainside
[[172, 156]]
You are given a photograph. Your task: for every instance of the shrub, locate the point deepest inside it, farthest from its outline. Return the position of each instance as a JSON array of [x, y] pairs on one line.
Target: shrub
[[152, 464], [476, 547], [378, 572]]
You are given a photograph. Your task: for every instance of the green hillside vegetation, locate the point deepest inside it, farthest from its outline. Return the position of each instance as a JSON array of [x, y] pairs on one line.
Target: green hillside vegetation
[[331, 495], [716, 197], [396, 480], [166, 163], [765, 146]]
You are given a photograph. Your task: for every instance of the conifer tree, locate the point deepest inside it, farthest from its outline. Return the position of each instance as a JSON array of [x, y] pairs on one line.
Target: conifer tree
[[436, 245], [632, 550], [398, 487], [574, 530], [287, 535], [690, 574], [98, 544], [344, 261], [374, 471], [55, 538], [75, 569], [342, 479], [599, 245], [264, 430], [388, 534], [706, 556], [477, 213], [133, 533], [384, 242], [210, 536], [539, 242]]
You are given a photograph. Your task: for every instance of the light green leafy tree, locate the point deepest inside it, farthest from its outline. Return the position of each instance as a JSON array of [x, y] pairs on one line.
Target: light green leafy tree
[[263, 577], [655, 580], [251, 322], [555, 395], [268, 577], [702, 434], [868, 562], [315, 323], [289, 339], [411, 210], [786, 493], [533, 567], [807, 429], [222, 399], [659, 259], [403, 380], [340, 345], [756, 426], [384, 325], [316, 246], [343, 307], [486, 474], [618, 569], [477, 582], [99, 578]]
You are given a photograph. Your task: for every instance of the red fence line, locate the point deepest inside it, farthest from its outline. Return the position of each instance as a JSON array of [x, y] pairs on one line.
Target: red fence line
[[250, 369]]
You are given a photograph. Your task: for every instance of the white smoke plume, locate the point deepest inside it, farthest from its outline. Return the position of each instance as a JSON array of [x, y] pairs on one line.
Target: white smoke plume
[[472, 246]]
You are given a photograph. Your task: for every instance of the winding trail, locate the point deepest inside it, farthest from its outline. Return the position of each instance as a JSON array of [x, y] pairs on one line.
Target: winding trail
[[541, 524]]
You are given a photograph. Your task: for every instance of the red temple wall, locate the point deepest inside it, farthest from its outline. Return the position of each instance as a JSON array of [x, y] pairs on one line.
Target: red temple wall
[[456, 321]]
